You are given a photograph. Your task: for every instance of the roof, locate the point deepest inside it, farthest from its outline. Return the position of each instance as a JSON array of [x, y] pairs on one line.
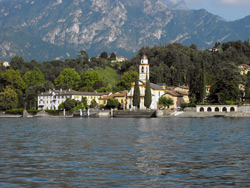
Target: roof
[[144, 57], [117, 94], [69, 92], [155, 86], [176, 93], [173, 93]]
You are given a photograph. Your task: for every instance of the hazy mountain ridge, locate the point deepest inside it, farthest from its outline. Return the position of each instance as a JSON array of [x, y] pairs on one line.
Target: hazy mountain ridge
[[47, 29]]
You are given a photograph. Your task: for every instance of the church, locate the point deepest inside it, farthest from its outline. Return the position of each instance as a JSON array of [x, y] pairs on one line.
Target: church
[[156, 90]]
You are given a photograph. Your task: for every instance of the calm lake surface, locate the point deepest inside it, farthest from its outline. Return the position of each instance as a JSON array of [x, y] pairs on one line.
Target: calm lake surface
[[176, 152]]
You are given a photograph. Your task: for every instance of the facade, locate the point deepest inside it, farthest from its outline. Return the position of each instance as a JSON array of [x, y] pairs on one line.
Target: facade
[[5, 64], [244, 69], [216, 108], [51, 99], [178, 97], [120, 96], [156, 90]]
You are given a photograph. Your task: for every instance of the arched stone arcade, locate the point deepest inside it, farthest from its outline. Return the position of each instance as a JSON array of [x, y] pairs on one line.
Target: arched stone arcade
[[216, 108]]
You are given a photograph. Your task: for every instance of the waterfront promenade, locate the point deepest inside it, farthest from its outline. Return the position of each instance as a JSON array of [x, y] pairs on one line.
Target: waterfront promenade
[[142, 114]]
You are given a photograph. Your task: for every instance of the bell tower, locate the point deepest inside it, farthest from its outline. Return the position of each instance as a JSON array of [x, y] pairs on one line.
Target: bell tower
[[144, 69]]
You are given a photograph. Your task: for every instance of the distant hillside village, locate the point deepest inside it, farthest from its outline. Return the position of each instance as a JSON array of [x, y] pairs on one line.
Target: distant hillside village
[[173, 76]]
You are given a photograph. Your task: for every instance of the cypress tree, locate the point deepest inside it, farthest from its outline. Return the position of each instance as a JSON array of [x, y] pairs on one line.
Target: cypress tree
[[202, 92], [148, 95], [136, 96]]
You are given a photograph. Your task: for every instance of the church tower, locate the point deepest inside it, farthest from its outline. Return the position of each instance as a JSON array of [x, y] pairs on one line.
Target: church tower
[[144, 69]]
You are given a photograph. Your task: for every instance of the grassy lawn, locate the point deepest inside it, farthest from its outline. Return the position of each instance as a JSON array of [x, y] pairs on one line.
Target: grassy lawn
[[110, 75]]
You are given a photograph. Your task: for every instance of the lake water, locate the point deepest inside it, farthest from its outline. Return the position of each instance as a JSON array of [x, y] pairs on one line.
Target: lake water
[[54, 152]]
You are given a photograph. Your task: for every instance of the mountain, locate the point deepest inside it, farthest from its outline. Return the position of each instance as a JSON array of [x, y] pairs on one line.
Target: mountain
[[49, 29]]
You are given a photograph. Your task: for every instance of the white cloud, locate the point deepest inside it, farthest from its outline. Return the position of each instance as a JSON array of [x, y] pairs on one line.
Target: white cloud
[[223, 2], [235, 2]]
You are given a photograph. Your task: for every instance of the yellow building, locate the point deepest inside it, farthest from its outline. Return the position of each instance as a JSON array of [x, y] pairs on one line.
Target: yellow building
[[178, 97], [120, 96]]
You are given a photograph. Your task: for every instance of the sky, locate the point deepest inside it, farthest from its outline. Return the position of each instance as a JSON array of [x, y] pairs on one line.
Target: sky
[[228, 9]]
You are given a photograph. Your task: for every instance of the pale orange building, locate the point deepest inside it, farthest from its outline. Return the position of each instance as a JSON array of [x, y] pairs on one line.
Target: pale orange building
[[177, 96]]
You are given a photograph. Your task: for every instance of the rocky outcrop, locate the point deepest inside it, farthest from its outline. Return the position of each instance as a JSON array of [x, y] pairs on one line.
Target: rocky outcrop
[[49, 29]]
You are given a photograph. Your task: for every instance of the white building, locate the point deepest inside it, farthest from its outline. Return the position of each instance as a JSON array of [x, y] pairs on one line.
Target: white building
[[156, 90], [5, 64], [51, 99]]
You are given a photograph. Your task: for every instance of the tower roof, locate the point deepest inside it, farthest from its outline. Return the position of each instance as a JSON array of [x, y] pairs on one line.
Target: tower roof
[[144, 57]]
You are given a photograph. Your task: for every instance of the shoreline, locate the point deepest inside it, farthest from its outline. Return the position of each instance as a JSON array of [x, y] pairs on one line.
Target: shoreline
[[184, 114]]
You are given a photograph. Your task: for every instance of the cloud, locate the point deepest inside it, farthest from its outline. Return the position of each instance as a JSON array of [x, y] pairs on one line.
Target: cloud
[[222, 2], [235, 2]]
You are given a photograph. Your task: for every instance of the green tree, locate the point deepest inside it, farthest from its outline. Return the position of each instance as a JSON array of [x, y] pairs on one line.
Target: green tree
[[68, 77], [88, 80], [226, 86], [148, 95], [104, 55], [8, 99], [68, 105], [247, 91], [83, 57], [136, 95], [14, 80], [84, 102], [17, 62], [165, 101], [34, 77], [126, 79], [112, 103], [113, 56], [93, 103]]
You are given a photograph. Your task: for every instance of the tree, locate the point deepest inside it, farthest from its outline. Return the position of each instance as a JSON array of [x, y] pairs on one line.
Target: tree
[[226, 86], [113, 56], [112, 103], [84, 102], [68, 77], [136, 95], [93, 103], [68, 104], [165, 101], [247, 91], [104, 55], [34, 77], [98, 84], [8, 99], [88, 80], [16, 62], [83, 57], [14, 80], [126, 79], [202, 85], [148, 95]]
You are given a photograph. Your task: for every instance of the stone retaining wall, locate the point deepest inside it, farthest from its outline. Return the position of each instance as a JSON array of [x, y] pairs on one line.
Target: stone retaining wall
[[244, 109]]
